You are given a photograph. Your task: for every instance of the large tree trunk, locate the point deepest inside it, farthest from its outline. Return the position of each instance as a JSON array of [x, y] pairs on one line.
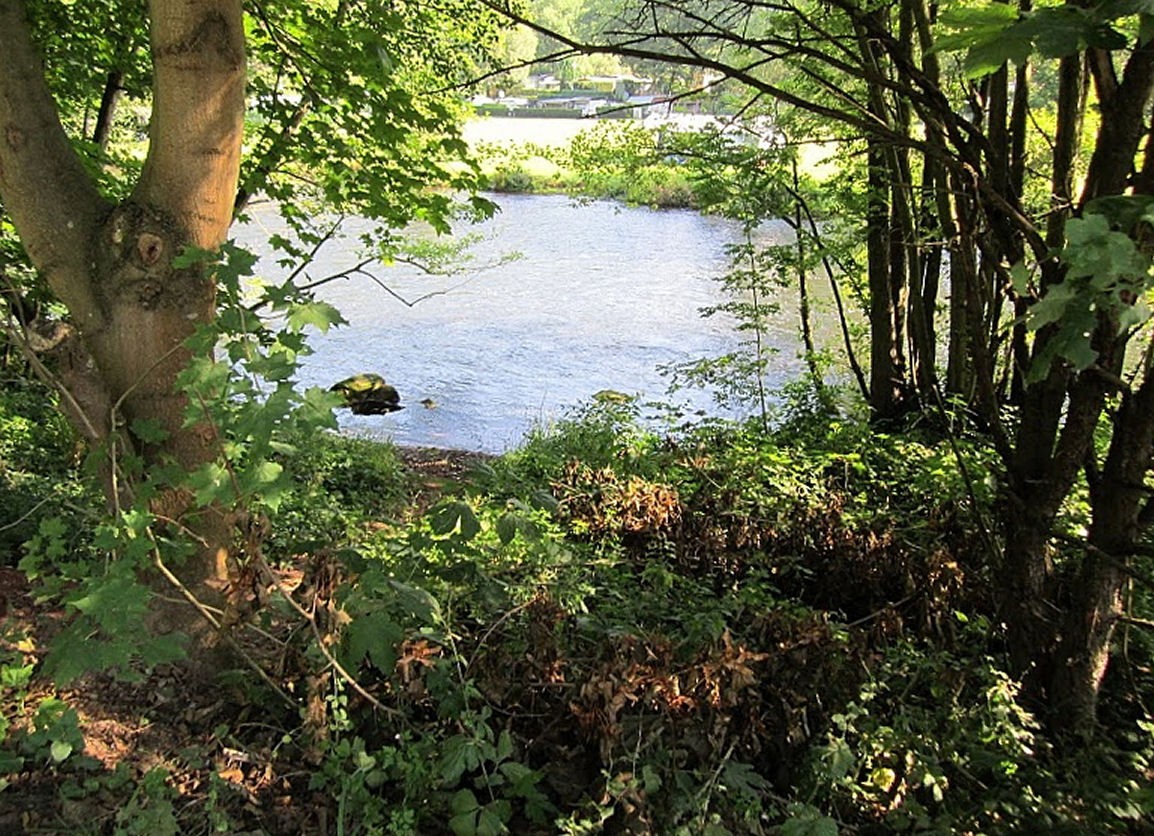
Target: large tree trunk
[[112, 266]]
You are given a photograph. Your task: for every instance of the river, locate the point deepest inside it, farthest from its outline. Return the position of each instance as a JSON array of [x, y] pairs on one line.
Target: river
[[600, 297]]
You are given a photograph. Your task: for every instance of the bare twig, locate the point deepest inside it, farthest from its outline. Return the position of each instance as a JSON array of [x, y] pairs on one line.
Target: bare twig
[[310, 617], [204, 612]]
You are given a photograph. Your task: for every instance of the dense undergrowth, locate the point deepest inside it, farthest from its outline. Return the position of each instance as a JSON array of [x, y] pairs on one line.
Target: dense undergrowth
[[719, 630]]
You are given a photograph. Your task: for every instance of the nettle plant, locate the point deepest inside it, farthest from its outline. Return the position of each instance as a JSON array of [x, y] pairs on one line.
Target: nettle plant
[[239, 388]]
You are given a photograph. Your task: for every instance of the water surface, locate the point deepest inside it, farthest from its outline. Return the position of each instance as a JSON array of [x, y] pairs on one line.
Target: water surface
[[601, 296]]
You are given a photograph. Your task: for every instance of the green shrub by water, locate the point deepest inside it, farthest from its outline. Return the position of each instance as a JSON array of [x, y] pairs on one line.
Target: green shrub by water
[[616, 160]]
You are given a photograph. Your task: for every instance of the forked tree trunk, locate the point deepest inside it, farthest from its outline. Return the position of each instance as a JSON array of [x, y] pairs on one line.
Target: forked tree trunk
[[112, 266]]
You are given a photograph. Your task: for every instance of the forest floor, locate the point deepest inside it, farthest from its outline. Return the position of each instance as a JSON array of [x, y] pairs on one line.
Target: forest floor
[[207, 746]]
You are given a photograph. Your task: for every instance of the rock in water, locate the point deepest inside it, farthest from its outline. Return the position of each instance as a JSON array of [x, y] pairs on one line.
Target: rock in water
[[368, 394]]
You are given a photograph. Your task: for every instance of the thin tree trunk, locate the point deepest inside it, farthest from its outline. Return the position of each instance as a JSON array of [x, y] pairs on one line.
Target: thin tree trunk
[[803, 288], [113, 92], [839, 303], [887, 370]]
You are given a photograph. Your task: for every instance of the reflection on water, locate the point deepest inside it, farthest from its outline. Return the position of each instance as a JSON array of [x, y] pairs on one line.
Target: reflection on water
[[601, 297]]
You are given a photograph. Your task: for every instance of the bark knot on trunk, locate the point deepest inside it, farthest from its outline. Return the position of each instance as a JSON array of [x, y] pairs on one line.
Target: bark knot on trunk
[[139, 243]]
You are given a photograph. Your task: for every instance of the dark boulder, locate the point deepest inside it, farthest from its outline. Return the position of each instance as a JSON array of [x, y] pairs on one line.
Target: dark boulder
[[368, 394]]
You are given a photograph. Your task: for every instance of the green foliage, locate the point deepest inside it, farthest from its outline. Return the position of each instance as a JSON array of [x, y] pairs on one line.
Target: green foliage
[[1107, 274], [52, 738], [15, 677], [994, 33], [615, 159], [756, 180], [605, 432], [150, 810], [338, 484], [249, 395], [39, 457], [936, 742], [373, 125], [502, 631], [738, 378]]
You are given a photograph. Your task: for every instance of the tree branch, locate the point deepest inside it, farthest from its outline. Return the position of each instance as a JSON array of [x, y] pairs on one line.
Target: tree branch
[[53, 203]]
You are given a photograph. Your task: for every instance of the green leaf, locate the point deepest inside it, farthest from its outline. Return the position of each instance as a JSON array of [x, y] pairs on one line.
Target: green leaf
[[996, 33], [210, 483], [1121, 212], [417, 601], [809, 822], [60, 750], [9, 763], [493, 816], [15, 676], [149, 430], [463, 801], [986, 58], [320, 315], [464, 824], [1114, 9], [1080, 354], [375, 636], [1133, 315], [1020, 278], [1051, 307], [840, 759], [1145, 28], [504, 746], [455, 517], [192, 256], [507, 528]]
